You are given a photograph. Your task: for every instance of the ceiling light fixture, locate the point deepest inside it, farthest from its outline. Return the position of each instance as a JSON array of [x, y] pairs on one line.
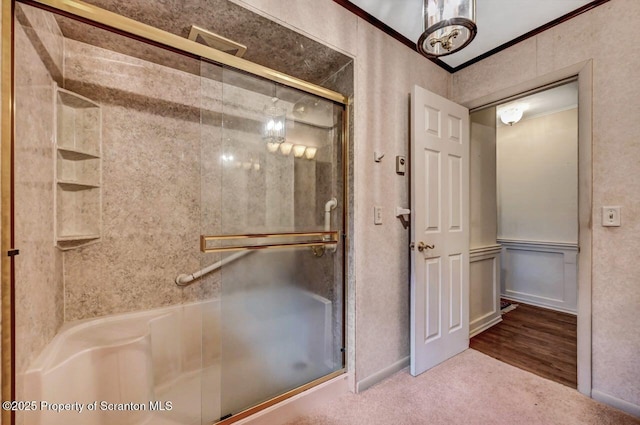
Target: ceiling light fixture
[[275, 125], [449, 25], [511, 115]]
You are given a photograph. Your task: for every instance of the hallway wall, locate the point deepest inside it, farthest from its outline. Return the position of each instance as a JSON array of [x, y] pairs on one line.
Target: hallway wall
[[616, 155], [385, 72]]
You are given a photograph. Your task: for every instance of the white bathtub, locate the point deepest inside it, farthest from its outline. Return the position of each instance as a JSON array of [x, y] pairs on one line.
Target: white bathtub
[[272, 340]]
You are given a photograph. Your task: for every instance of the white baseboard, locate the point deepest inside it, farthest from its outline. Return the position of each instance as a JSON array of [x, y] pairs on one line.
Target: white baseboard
[[300, 404], [382, 374], [485, 326], [535, 303], [625, 406]]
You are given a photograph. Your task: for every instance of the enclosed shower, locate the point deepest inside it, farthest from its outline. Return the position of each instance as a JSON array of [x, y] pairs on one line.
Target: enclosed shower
[[181, 219]]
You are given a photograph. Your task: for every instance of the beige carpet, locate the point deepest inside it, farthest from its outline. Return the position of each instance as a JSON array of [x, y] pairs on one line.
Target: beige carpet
[[471, 388]]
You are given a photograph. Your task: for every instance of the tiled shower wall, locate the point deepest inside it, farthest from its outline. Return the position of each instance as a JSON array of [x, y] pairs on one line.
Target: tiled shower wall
[[151, 184], [161, 182], [38, 274]]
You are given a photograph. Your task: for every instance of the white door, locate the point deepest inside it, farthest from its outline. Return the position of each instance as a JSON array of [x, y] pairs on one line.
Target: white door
[[439, 229]]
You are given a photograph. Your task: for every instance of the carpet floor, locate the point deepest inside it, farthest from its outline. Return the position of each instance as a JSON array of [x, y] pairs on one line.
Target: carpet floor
[[471, 388]]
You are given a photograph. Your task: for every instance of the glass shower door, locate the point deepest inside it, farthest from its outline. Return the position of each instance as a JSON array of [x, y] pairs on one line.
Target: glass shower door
[[272, 217]]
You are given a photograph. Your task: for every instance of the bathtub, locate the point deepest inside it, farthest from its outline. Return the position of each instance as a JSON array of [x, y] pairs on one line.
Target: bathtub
[[164, 366]]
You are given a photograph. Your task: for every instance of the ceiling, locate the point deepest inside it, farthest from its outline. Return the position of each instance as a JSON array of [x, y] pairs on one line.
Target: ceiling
[[546, 102], [498, 21]]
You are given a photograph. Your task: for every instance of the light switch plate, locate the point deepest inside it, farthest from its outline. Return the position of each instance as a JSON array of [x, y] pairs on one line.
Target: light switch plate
[[611, 216]]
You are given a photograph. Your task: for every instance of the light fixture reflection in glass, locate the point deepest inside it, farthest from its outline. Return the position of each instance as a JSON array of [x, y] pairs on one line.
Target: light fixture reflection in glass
[[511, 115], [273, 147], [285, 148], [449, 25], [275, 125], [298, 150], [310, 153]]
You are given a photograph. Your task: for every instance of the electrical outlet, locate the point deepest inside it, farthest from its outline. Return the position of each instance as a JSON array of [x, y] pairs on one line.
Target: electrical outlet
[[611, 216], [377, 215]]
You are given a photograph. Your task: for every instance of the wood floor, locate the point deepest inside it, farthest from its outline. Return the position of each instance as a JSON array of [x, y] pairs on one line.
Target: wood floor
[[535, 339]]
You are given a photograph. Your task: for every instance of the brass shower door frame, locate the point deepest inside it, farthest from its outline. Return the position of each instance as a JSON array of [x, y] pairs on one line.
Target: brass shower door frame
[[113, 22]]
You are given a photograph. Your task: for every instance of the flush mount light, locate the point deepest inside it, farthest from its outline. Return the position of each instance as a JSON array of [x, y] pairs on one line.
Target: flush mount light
[[449, 25], [511, 115]]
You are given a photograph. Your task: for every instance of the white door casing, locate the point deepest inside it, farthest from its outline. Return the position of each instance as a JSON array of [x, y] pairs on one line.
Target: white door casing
[[439, 218]]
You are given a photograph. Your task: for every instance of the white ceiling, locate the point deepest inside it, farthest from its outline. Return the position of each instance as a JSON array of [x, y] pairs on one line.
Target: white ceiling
[[547, 102], [498, 21]]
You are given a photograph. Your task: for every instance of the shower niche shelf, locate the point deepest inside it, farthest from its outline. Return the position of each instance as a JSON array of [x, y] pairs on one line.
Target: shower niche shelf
[[78, 170]]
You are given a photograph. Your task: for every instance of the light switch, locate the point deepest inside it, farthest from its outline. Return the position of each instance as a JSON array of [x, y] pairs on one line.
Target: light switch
[[611, 216], [377, 215]]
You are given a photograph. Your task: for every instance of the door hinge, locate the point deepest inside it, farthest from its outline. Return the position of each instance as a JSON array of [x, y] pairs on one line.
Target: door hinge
[[13, 252]]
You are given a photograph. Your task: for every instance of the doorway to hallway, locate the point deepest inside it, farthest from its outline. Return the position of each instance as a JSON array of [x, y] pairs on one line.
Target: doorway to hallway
[[524, 230]]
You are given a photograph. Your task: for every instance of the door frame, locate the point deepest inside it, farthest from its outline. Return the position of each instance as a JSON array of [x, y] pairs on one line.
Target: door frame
[[584, 73]]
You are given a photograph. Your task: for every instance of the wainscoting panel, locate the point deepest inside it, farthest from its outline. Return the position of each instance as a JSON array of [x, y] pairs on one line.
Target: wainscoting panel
[[540, 273], [484, 288]]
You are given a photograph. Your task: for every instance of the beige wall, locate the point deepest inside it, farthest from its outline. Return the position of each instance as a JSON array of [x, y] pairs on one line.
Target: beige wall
[[385, 72], [537, 179], [482, 184], [616, 155]]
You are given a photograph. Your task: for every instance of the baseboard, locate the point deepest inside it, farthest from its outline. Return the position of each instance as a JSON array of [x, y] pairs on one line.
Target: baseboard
[[485, 326], [292, 408], [382, 374], [537, 304], [625, 406]]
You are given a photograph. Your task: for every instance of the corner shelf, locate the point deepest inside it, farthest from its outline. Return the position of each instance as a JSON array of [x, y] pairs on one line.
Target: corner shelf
[[78, 170]]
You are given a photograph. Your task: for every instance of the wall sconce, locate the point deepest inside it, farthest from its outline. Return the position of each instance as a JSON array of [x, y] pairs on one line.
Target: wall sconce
[[275, 125], [285, 148], [511, 115], [298, 150], [449, 25], [310, 152]]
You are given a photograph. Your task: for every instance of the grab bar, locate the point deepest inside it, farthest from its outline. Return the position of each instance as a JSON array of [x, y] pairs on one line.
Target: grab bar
[[324, 238], [185, 279]]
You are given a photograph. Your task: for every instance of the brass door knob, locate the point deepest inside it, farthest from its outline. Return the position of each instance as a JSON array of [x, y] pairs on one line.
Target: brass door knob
[[422, 246]]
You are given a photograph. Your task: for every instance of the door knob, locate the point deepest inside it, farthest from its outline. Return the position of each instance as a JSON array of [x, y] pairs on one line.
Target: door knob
[[422, 246]]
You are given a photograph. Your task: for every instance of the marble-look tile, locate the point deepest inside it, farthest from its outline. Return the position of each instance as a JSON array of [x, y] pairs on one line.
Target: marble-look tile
[[106, 69], [46, 37], [38, 274], [268, 43], [151, 217]]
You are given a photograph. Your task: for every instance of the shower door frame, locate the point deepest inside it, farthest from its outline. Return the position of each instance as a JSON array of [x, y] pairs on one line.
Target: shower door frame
[[110, 21]]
